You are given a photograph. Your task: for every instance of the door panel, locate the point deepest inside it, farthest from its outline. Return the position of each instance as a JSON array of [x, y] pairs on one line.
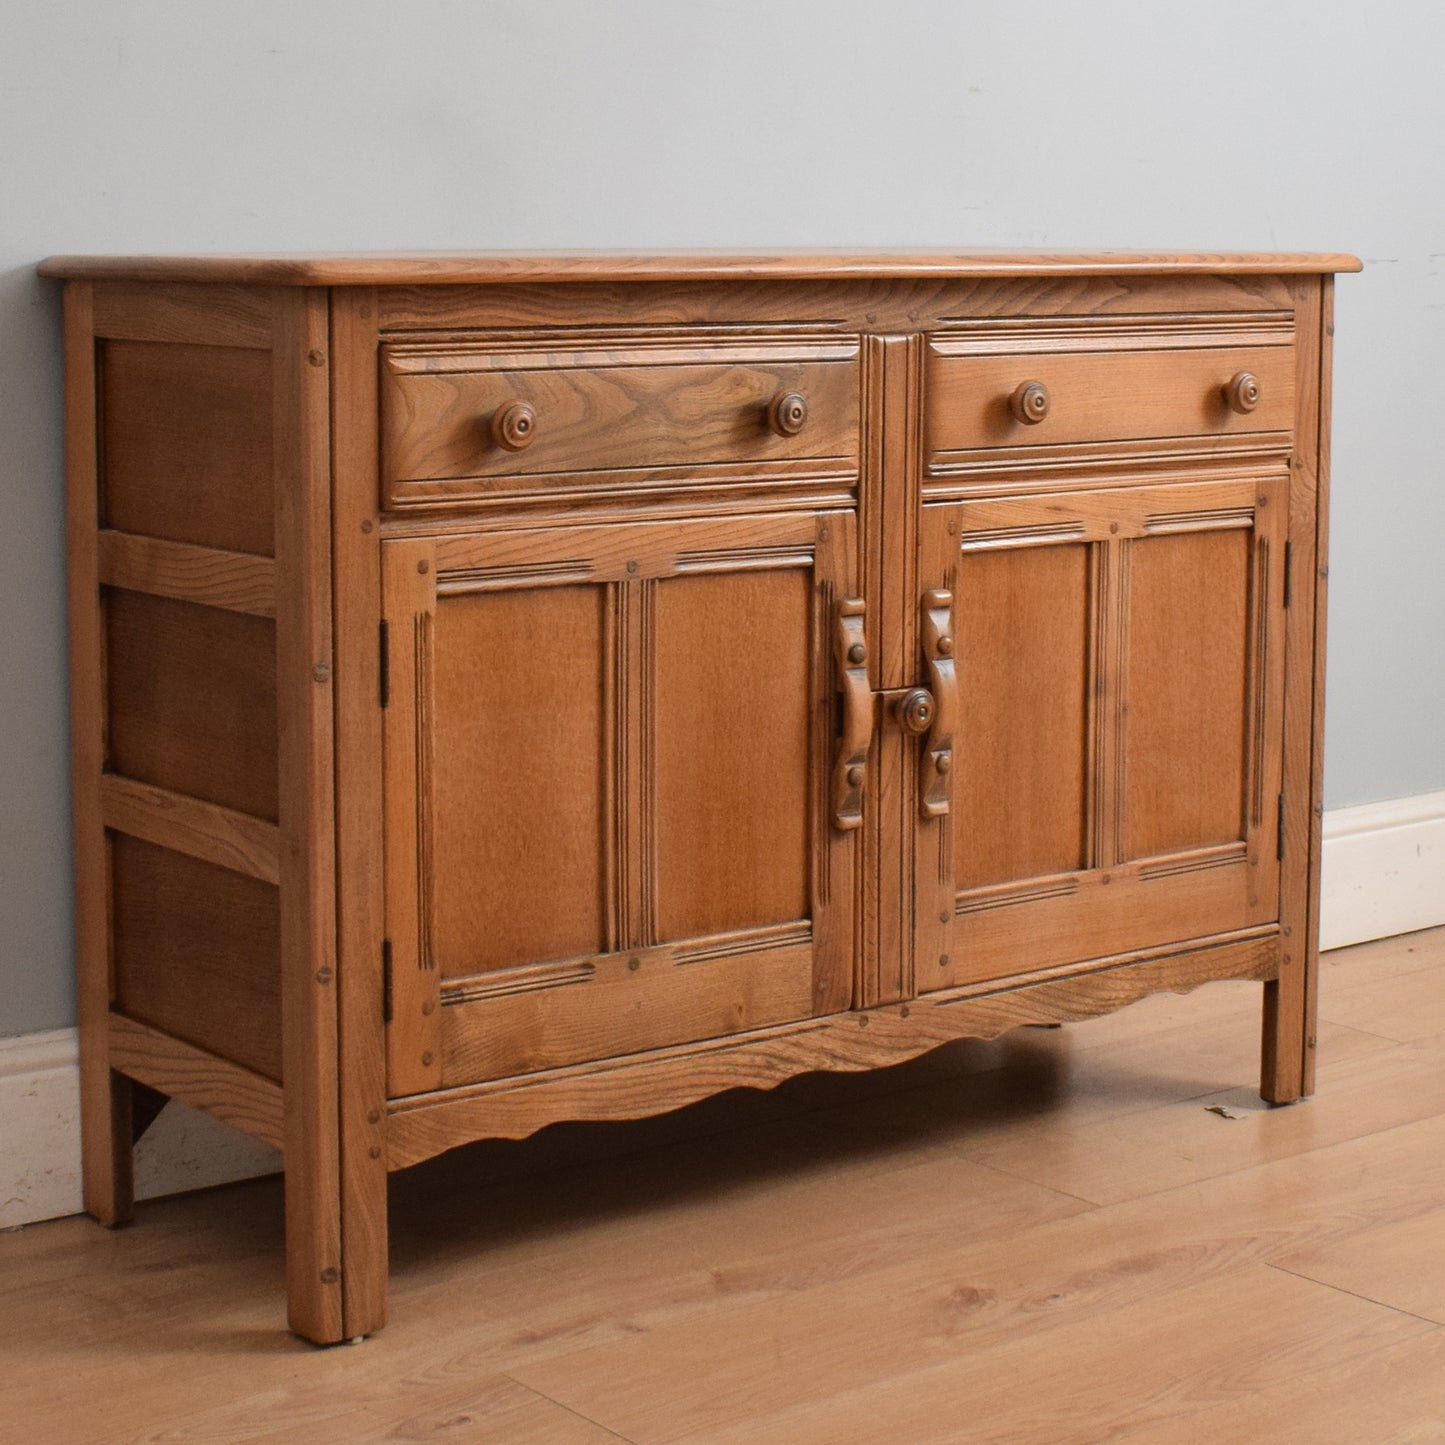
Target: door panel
[[1186, 666], [1120, 711], [531, 825], [593, 735], [1022, 619], [732, 726]]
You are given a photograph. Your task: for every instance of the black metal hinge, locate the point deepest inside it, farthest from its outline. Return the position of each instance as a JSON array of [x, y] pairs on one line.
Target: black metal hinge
[[384, 669], [1287, 571], [386, 980], [1279, 831]]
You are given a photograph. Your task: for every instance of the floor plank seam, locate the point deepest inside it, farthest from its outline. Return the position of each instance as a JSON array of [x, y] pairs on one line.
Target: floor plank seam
[[575, 1414], [1354, 1294], [1368, 1033], [1093, 1204]]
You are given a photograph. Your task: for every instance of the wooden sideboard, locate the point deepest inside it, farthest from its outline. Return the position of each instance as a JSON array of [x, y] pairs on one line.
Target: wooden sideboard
[[513, 688]]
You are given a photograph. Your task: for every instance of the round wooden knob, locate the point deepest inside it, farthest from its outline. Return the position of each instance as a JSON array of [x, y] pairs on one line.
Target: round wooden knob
[[915, 710], [1030, 403], [787, 412], [857, 654], [1242, 393], [514, 425]]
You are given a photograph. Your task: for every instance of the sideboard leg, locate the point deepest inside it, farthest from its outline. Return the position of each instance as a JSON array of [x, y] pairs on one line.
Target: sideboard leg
[[304, 666], [107, 1155], [1281, 1055], [1288, 1054]]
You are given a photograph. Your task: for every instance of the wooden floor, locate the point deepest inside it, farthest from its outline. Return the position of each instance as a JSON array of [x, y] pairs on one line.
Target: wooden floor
[[1084, 1234]]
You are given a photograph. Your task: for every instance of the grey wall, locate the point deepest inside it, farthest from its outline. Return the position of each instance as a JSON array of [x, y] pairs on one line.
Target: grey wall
[[173, 125]]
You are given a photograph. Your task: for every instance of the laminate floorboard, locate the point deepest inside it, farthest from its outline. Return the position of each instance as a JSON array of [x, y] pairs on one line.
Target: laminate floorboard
[[1048, 1237]]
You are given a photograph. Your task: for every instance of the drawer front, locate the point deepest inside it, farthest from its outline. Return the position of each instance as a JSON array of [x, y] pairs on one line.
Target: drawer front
[[1100, 396], [463, 422]]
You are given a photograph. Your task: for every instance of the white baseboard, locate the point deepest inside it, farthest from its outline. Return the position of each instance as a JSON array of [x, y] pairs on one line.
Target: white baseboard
[[1383, 870], [1384, 873], [40, 1138]]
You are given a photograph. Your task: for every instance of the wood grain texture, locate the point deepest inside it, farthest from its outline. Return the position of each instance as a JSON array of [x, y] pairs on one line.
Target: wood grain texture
[[192, 700], [235, 581], [438, 268], [186, 825], [532, 1020], [629, 1088], [1101, 396], [238, 1096], [1024, 670], [1287, 1061], [197, 952], [1321, 570], [883, 307], [105, 1099], [360, 889], [1186, 691], [186, 443], [301, 470], [645, 416], [516, 675], [408, 755], [733, 676], [888, 530], [1134, 739], [182, 314]]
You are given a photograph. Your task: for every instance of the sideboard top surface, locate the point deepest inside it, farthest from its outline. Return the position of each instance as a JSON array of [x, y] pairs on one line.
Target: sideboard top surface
[[496, 267]]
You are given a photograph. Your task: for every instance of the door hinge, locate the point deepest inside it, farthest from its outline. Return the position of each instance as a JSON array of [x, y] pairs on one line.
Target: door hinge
[[1287, 571], [386, 980], [384, 669], [1279, 831]]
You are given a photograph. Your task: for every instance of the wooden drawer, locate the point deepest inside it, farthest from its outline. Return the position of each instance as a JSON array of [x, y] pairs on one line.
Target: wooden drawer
[[1098, 391], [462, 422]]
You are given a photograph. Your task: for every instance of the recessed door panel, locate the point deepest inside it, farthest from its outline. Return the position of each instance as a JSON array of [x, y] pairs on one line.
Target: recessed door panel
[[518, 779], [1022, 735], [1186, 670], [732, 663]]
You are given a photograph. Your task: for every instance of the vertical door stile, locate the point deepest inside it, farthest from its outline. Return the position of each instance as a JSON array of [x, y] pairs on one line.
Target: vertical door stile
[[935, 888], [414, 1062], [836, 851], [892, 518]]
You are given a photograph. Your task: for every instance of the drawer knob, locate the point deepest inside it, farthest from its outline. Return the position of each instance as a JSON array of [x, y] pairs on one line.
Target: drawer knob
[[1242, 393], [1030, 402], [787, 412], [514, 425]]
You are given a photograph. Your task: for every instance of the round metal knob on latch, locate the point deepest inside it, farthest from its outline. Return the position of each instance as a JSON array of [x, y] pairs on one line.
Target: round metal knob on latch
[[514, 425], [1243, 392], [788, 413], [1030, 402], [915, 710]]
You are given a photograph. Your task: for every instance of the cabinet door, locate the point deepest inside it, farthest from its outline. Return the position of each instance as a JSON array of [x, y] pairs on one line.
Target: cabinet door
[[608, 758], [1118, 660]]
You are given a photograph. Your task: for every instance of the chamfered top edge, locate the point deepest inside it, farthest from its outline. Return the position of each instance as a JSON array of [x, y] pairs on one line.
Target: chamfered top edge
[[499, 267]]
